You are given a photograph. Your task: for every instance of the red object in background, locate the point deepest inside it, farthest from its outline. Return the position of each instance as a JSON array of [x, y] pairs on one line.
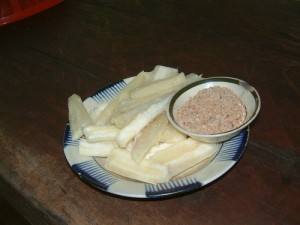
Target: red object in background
[[15, 10]]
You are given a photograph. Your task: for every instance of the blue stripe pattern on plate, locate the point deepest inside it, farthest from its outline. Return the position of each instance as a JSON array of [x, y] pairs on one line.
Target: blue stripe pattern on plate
[[174, 187], [109, 93], [92, 172], [68, 137], [233, 149]]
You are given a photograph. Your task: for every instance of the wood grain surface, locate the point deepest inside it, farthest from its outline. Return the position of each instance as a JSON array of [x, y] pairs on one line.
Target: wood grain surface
[[81, 46]]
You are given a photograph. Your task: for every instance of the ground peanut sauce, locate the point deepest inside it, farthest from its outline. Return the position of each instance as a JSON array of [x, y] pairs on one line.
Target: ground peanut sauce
[[212, 110]]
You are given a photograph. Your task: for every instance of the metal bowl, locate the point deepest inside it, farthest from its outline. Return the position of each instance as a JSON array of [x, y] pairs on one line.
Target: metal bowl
[[242, 89]]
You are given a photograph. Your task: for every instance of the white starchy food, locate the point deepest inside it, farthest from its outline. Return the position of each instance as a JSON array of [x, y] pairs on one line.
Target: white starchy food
[[183, 155], [159, 147], [175, 150], [95, 112], [99, 149], [125, 118], [162, 72], [107, 113], [171, 135], [120, 162], [132, 131], [148, 138], [105, 116], [100, 133], [192, 77], [130, 104], [157, 86], [78, 116], [90, 104], [140, 121], [197, 166]]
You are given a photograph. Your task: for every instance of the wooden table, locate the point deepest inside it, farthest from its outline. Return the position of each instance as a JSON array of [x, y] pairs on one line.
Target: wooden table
[[82, 46]]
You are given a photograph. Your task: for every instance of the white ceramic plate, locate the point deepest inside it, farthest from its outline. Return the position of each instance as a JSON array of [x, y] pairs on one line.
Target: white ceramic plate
[[92, 171]]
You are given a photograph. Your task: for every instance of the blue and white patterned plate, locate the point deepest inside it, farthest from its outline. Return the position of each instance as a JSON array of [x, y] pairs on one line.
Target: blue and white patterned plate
[[92, 171]]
